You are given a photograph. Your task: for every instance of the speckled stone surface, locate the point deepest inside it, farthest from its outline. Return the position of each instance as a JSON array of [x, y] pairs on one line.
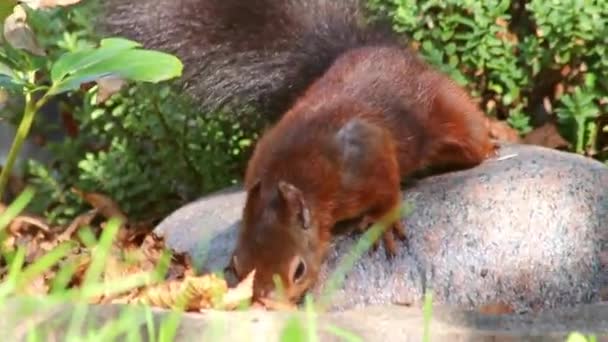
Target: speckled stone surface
[[527, 228]]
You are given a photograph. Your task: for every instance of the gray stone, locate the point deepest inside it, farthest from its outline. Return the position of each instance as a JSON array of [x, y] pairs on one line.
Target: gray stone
[[527, 228]]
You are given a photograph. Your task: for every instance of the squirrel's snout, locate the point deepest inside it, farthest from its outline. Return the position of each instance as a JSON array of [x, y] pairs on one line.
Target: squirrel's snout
[[263, 289]]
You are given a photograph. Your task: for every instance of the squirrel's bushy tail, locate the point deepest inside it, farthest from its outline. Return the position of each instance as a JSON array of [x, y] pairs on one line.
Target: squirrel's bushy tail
[[259, 52]]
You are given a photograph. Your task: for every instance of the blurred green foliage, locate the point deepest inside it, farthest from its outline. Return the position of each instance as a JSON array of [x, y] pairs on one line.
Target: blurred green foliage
[[528, 61], [147, 147]]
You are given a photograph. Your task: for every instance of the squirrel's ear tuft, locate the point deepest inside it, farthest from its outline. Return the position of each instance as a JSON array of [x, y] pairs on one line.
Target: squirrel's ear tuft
[[294, 199]]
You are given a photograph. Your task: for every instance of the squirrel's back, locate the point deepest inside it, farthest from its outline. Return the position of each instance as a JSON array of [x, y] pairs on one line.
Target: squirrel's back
[[259, 52]]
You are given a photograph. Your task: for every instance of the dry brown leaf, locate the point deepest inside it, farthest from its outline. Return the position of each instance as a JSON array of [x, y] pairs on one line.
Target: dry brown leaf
[[19, 35], [36, 4], [105, 205], [116, 268], [237, 295], [80, 221], [193, 293], [181, 265], [25, 221], [38, 286], [108, 86]]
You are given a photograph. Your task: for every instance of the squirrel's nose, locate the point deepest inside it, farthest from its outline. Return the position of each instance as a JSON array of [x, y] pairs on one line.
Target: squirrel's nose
[[266, 293]]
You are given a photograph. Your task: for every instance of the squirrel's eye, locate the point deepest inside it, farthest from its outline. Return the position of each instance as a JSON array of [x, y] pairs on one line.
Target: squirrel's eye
[[298, 270]]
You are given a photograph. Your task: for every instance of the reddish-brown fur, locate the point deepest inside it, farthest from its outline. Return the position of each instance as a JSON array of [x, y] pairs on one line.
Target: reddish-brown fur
[[378, 114]]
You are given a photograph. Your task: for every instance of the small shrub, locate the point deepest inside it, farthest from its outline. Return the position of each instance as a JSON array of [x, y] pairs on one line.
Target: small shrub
[[527, 61], [146, 146]]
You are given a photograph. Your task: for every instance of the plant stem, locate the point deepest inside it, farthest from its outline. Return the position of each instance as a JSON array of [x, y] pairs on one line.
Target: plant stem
[[29, 112], [580, 135]]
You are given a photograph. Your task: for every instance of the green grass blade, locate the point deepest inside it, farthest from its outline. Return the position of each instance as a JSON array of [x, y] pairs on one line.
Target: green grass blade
[[100, 253], [16, 207], [43, 264], [427, 315]]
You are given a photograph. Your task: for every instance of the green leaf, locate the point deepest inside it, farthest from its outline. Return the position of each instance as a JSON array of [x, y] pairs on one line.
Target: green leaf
[[73, 62], [464, 21], [6, 82], [6, 70], [134, 65], [6, 8], [9, 83]]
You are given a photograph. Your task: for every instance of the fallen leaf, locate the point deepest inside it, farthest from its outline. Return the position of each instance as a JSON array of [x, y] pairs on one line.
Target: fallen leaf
[[18, 33], [104, 204], [79, 222], [193, 293], [35, 287], [239, 294], [116, 268], [108, 86], [22, 221]]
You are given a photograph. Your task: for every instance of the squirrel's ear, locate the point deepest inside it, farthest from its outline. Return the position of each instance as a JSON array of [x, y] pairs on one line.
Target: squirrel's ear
[[295, 200], [255, 186]]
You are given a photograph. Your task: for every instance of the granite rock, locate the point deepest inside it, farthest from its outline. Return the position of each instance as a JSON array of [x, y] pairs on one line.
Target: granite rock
[[526, 229]]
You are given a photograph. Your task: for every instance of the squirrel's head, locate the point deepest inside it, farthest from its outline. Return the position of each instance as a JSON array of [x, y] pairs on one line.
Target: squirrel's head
[[279, 239]]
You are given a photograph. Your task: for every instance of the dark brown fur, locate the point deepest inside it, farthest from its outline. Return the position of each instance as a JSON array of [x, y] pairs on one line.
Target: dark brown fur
[[262, 53]]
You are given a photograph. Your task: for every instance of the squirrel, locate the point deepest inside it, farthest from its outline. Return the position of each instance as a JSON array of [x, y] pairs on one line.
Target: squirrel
[[356, 111]]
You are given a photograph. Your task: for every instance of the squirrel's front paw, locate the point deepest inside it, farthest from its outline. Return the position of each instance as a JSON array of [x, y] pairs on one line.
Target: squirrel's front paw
[[388, 237]]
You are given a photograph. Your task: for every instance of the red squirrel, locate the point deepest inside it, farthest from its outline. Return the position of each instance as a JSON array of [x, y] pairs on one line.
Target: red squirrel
[[354, 111], [378, 114]]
